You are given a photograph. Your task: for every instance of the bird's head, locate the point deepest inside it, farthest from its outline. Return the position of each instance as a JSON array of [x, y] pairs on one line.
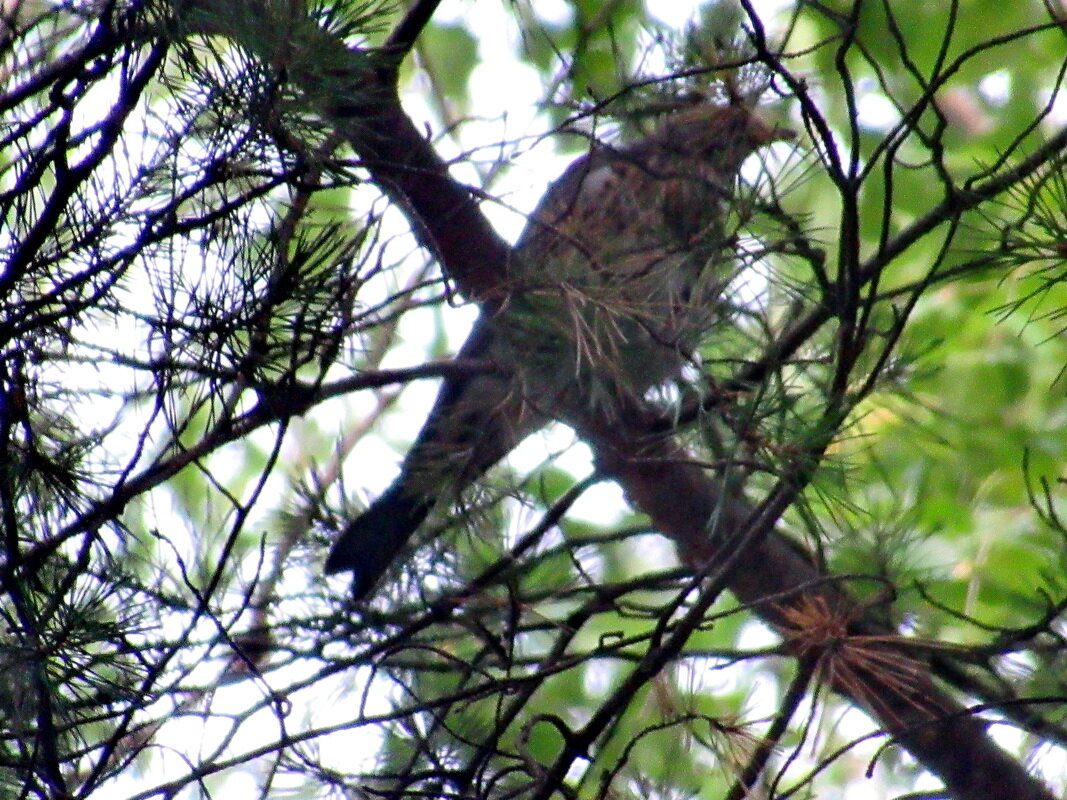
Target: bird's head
[[724, 135]]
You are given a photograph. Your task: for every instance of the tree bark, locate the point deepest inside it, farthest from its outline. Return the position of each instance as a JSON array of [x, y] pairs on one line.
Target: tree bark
[[355, 92]]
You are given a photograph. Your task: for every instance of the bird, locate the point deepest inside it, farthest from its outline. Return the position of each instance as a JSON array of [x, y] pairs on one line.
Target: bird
[[610, 288]]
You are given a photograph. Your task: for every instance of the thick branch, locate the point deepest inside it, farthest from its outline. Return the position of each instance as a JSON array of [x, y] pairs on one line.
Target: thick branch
[[355, 91], [709, 522]]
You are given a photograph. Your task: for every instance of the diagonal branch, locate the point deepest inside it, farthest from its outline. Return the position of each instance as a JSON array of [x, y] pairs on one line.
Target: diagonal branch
[[403, 37], [712, 526]]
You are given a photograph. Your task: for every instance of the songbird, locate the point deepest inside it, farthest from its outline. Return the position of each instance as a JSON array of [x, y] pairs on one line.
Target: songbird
[[611, 287]]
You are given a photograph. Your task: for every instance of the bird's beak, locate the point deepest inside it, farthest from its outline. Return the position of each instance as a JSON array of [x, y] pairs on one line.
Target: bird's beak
[[781, 133]]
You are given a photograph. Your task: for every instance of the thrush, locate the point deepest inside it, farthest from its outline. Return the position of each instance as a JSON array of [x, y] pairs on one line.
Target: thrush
[[611, 287]]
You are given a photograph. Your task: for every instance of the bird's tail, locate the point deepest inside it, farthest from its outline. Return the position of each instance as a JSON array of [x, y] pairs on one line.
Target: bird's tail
[[372, 541]]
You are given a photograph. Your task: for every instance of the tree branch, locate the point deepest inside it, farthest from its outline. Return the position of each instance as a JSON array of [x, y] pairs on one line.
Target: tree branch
[[403, 37], [711, 524]]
